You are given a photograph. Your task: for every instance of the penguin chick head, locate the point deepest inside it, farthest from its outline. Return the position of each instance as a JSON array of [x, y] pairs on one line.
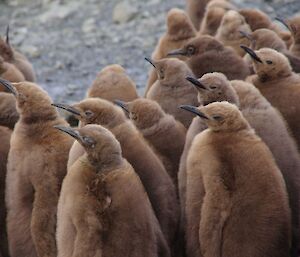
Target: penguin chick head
[[262, 38], [293, 26], [256, 18], [113, 68], [95, 111], [102, 148], [170, 71], [5, 50], [231, 24], [33, 103], [179, 25], [220, 116], [214, 87], [198, 46], [269, 64], [144, 113]]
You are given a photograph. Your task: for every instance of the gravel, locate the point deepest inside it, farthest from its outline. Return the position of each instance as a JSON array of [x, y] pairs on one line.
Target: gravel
[[68, 42]]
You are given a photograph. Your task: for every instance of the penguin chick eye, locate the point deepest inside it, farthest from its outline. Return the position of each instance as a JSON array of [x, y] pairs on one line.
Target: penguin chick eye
[[269, 62], [217, 117], [89, 141], [213, 87], [89, 113], [190, 50]]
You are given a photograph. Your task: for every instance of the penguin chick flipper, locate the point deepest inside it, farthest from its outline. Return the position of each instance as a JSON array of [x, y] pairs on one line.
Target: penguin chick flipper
[[87, 238], [43, 222]]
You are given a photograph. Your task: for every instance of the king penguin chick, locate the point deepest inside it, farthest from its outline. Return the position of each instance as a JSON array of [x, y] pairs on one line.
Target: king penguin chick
[[112, 83], [14, 57], [214, 13], [233, 187], [229, 31], [276, 81], [171, 89], [157, 182], [179, 30], [161, 130], [37, 164], [100, 195], [5, 134], [266, 38], [196, 10], [294, 26], [9, 72], [207, 54], [8, 112]]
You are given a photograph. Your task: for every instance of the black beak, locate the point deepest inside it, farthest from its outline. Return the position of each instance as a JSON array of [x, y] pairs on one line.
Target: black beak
[[122, 105], [9, 86], [283, 22], [251, 53], [70, 131], [194, 110], [196, 83], [7, 35], [67, 108], [177, 52], [246, 35], [150, 61]]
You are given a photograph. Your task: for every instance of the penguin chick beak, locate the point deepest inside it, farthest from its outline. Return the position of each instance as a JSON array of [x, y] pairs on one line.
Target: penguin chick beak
[[252, 54], [196, 83], [246, 35], [177, 52], [194, 110], [122, 105], [67, 108], [150, 61], [283, 22], [7, 35], [70, 131], [9, 86]]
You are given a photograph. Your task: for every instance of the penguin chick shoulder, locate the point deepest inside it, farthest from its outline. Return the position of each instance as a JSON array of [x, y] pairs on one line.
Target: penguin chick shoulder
[[100, 195]]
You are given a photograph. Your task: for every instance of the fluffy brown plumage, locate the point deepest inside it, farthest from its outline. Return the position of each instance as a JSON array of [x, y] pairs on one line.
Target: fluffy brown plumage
[[8, 112], [36, 167], [196, 10], [229, 164], [207, 54], [179, 30], [103, 209], [112, 83], [157, 182], [9, 72], [171, 89]]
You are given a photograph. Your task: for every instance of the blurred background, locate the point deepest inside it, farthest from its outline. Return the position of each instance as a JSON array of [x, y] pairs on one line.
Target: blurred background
[[68, 42]]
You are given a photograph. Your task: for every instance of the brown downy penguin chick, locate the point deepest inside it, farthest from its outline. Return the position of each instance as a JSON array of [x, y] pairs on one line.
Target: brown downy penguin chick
[[207, 54], [112, 83], [276, 81], [161, 130], [294, 26], [37, 164], [14, 57], [228, 32], [211, 87], [179, 30], [5, 134], [266, 38], [8, 112], [9, 72], [171, 89], [157, 182], [271, 127], [214, 13], [103, 209], [196, 10], [234, 187]]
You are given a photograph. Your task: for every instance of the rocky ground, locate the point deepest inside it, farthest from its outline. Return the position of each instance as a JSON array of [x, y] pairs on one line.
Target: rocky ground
[[68, 42]]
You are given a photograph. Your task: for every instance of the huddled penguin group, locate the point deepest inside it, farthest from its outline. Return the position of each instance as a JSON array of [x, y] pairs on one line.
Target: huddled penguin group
[[206, 164]]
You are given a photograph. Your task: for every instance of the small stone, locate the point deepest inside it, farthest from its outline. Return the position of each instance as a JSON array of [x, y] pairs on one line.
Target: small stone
[[89, 26], [124, 12], [31, 51]]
